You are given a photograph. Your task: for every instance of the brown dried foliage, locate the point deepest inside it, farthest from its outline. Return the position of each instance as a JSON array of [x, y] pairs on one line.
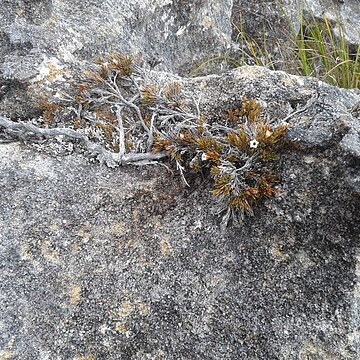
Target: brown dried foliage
[[225, 153]]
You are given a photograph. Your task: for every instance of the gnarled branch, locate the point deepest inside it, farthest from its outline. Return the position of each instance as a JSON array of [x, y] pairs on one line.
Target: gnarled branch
[[22, 130]]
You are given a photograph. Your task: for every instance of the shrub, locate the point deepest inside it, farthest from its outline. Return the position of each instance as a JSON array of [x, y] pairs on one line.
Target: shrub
[[114, 105], [238, 150]]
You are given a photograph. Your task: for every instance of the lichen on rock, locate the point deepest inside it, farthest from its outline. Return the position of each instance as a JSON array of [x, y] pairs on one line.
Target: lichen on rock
[[127, 262]]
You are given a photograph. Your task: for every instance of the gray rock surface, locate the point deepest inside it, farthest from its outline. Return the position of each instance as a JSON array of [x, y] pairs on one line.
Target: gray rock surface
[[272, 16], [129, 263], [346, 11], [44, 36], [48, 34]]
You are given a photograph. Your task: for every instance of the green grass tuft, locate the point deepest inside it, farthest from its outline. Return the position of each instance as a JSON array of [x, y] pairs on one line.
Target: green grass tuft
[[326, 56], [317, 50]]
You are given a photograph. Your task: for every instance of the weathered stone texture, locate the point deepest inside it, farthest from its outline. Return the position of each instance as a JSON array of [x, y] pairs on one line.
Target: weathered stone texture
[[129, 263]]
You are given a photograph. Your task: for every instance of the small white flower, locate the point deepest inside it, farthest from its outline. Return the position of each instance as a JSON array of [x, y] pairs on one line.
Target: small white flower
[[253, 144], [204, 157]]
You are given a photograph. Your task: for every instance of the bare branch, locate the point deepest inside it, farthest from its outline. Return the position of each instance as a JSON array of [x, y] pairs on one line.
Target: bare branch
[[114, 87], [24, 130], [181, 170], [151, 133], [308, 104], [122, 148]]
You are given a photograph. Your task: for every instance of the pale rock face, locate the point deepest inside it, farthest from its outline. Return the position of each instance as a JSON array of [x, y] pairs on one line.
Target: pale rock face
[[348, 12], [129, 263], [271, 16], [175, 33], [97, 262], [174, 36]]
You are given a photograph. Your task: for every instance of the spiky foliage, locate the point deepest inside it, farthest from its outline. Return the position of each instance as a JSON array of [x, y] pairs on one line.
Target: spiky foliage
[[237, 150], [104, 102], [49, 110]]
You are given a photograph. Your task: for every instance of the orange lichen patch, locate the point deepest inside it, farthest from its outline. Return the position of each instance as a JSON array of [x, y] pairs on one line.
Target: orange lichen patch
[[85, 234], [6, 355], [85, 357], [49, 254], [143, 309], [136, 216], [121, 328], [25, 252], [126, 309], [278, 254], [75, 294], [117, 228], [165, 248], [54, 72]]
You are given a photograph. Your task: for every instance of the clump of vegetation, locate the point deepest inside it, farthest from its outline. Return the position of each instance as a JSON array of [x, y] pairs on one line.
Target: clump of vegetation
[[238, 150], [316, 51], [113, 103], [122, 118]]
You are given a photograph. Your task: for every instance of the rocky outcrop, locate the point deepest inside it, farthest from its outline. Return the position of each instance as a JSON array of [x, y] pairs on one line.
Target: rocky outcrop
[[38, 37], [172, 36], [272, 25], [129, 262]]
